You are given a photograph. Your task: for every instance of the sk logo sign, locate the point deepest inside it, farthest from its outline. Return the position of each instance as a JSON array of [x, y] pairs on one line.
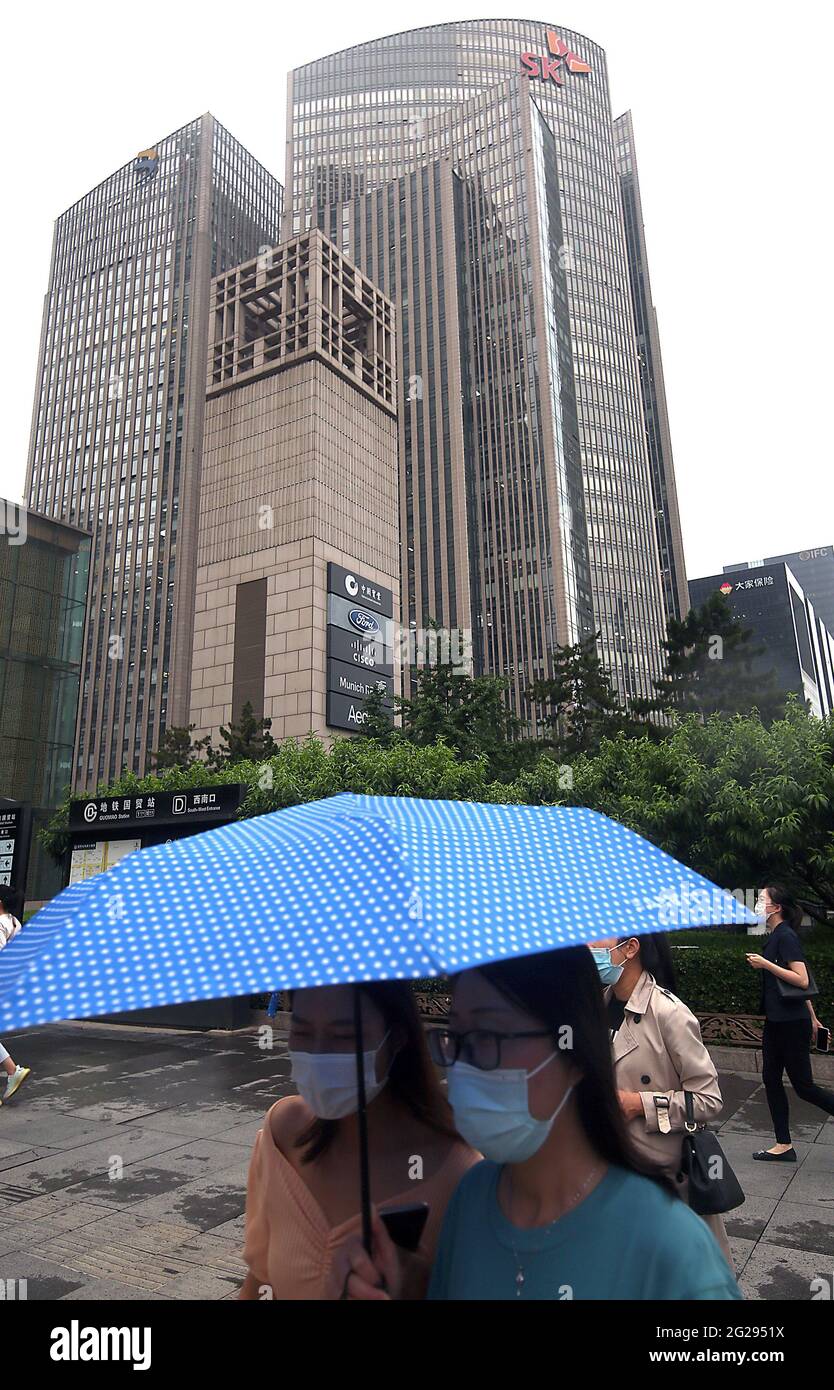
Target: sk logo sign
[[551, 68]]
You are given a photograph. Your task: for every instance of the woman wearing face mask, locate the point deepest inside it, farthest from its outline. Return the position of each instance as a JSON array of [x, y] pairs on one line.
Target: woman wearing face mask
[[561, 1207], [658, 1055], [790, 1024], [303, 1190]]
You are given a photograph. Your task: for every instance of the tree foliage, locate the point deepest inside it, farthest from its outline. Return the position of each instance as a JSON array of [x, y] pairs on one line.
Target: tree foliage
[[712, 666], [578, 702]]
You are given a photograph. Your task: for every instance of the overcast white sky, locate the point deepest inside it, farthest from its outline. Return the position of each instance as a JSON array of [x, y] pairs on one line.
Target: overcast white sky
[[732, 110]]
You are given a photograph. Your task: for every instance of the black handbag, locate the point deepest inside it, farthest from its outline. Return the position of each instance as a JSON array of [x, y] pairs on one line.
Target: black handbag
[[793, 992], [713, 1186]]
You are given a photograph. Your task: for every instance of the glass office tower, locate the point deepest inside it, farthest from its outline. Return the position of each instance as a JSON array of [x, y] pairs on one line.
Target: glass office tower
[[359, 120], [658, 436], [117, 425], [493, 527], [43, 594]]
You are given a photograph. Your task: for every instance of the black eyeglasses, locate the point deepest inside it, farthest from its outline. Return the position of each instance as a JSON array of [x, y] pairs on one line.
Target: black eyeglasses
[[480, 1047]]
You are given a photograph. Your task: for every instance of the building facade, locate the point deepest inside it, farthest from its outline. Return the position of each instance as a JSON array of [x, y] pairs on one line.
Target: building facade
[[298, 529], [655, 411], [360, 122], [814, 572], [798, 646], [118, 416], [44, 567]]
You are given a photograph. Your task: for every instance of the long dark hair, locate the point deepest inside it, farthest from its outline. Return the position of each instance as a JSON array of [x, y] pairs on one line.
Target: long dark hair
[[412, 1080], [11, 900], [791, 911], [656, 957], [561, 988]]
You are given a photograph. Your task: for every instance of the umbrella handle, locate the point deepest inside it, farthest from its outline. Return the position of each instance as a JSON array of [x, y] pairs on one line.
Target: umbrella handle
[[362, 1116]]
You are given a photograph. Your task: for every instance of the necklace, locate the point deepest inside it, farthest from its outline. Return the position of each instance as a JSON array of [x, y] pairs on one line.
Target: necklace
[[520, 1275]]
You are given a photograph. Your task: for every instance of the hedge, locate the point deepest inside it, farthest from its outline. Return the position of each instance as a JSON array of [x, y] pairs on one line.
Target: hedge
[[714, 977]]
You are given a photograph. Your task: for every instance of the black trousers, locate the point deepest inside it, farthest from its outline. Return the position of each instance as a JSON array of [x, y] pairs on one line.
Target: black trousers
[[787, 1047]]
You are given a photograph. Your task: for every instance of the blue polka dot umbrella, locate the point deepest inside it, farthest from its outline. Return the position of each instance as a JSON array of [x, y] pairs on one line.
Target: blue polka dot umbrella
[[351, 889], [344, 890]]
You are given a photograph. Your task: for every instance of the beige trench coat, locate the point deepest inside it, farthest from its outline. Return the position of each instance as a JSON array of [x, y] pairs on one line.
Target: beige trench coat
[[659, 1053]]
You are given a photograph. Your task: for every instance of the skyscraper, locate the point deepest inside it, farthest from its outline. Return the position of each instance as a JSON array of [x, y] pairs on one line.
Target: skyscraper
[[117, 425], [658, 437], [814, 568], [386, 119]]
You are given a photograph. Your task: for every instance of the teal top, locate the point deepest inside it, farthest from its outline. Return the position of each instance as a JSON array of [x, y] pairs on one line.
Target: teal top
[[628, 1239]]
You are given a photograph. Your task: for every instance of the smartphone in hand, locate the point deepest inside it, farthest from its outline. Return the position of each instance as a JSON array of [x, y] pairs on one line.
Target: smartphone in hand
[[823, 1039]]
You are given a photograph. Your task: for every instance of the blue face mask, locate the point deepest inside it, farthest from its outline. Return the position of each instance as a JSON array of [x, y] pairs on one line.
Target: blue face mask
[[492, 1114], [609, 973]]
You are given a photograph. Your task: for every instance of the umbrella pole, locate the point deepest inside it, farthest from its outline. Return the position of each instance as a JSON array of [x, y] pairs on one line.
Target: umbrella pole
[[362, 1115]]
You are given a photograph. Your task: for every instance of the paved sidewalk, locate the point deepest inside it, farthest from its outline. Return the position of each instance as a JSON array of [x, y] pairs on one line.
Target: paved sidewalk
[[123, 1167]]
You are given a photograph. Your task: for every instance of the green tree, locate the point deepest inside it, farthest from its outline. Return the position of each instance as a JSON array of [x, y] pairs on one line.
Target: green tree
[[740, 801], [469, 713], [712, 666], [247, 740], [377, 723], [579, 704], [176, 748]]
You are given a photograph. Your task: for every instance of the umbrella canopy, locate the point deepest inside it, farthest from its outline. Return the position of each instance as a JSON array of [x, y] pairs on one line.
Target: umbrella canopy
[[350, 889]]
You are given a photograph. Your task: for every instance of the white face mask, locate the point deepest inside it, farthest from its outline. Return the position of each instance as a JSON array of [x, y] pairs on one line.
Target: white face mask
[[327, 1081]]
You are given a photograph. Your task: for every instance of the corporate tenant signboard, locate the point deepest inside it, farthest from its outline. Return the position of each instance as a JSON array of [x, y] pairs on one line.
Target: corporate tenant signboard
[[360, 647], [552, 66]]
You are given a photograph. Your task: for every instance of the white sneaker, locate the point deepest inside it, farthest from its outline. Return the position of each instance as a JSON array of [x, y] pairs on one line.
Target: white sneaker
[[15, 1081]]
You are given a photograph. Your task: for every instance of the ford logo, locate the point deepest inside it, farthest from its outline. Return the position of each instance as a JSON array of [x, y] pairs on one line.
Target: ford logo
[[364, 622]]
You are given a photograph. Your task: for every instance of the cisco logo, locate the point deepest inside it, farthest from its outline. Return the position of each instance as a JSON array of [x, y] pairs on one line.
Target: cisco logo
[[363, 622]]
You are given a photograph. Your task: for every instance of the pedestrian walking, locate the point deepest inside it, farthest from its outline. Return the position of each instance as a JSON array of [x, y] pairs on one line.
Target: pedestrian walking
[[659, 1055], [561, 1206], [302, 1194], [10, 906], [790, 1019]]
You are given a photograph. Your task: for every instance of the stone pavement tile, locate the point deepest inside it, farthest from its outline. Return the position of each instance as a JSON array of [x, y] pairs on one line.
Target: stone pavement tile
[[125, 1264], [779, 1272], [202, 1284], [768, 1180], [242, 1134], [826, 1134], [15, 1236], [213, 1252], [749, 1220], [71, 1217], [55, 1205], [206, 1205], [817, 1158], [49, 1129], [735, 1091], [108, 1291], [22, 1156], [753, 1117], [201, 1121], [741, 1251], [117, 1112], [45, 1279], [802, 1226], [123, 1229], [813, 1184], [233, 1230], [88, 1166]]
